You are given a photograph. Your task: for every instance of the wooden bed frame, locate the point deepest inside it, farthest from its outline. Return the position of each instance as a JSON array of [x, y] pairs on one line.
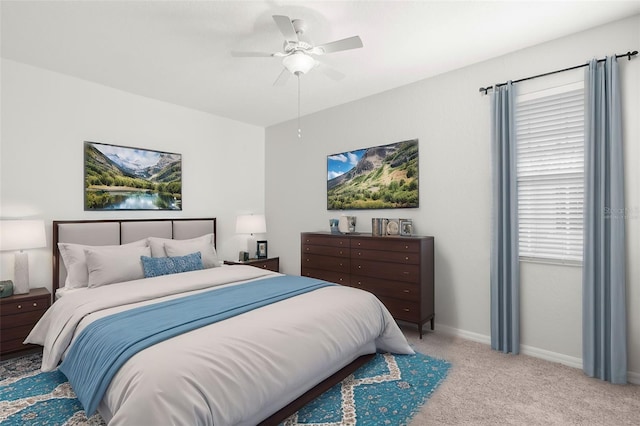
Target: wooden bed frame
[[279, 416]]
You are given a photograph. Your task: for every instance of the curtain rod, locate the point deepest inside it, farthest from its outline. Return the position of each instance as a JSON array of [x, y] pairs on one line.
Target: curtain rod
[[628, 55]]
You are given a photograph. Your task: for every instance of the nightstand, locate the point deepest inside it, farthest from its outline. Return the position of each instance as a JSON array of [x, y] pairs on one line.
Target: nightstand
[[272, 263], [18, 314]]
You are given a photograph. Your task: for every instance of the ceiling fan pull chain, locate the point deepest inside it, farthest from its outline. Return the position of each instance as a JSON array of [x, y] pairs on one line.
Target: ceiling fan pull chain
[[299, 130]]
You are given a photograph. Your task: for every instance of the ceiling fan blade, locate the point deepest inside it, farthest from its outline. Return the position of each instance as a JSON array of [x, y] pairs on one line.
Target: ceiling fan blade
[[251, 54], [330, 72], [286, 27], [282, 78], [338, 45]]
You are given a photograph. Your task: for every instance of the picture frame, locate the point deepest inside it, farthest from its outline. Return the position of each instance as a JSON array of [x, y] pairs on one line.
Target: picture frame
[[393, 227], [125, 178], [406, 227], [378, 177], [261, 249]]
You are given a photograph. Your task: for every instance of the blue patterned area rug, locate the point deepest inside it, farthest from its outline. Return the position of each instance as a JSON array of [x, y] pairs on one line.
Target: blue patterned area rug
[[388, 390]]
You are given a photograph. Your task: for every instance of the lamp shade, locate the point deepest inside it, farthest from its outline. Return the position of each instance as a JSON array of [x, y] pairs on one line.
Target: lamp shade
[[22, 234], [251, 224]]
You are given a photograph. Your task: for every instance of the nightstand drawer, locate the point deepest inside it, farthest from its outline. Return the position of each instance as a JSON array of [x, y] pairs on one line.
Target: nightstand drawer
[[270, 264], [14, 345], [27, 318], [40, 304]]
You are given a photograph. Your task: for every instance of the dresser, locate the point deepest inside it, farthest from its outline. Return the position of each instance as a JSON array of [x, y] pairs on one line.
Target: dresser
[[18, 314], [399, 270]]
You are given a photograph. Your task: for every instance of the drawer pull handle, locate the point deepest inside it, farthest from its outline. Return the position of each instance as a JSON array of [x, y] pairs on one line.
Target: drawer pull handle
[[340, 279], [406, 272], [307, 248], [359, 266], [307, 259], [406, 309], [406, 258], [339, 264], [359, 282], [35, 304], [340, 242], [406, 291], [19, 306], [340, 251]]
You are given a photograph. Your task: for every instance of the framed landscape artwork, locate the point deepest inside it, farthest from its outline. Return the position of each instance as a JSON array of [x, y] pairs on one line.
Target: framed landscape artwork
[[124, 178], [381, 177]]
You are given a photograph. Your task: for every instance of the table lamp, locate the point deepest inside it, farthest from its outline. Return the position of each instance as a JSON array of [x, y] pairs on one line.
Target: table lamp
[[251, 224], [19, 235]]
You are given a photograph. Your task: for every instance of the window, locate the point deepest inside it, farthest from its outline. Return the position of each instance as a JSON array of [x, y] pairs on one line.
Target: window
[[550, 173]]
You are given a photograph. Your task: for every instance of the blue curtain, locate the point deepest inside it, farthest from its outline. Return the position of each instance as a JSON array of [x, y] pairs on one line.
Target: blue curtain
[[505, 267], [604, 328]]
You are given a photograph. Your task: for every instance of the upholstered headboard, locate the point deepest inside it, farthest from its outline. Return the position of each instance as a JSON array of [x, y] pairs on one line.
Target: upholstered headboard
[[115, 232]]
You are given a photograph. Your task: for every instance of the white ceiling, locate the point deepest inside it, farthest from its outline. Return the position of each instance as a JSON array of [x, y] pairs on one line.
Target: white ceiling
[[179, 51]]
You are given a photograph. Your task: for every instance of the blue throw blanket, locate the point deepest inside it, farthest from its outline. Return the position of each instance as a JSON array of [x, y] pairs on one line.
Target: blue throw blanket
[[107, 343]]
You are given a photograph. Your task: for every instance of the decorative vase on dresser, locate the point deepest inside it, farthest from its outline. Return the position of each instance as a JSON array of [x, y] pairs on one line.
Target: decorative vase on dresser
[[399, 270]]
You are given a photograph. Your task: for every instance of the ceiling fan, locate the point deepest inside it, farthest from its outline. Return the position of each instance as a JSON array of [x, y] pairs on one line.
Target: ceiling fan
[[298, 55]]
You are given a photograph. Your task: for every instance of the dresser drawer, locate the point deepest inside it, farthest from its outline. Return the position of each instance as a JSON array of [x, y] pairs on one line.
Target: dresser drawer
[[379, 287], [386, 270], [325, 240], [329, 263], [386, 256], [331, 276], [386, 244], [325, 250], [32, 304], [402, 309]]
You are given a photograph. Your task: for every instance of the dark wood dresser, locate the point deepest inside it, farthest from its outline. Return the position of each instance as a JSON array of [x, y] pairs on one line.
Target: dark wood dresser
[[399, 270], [18, 314]]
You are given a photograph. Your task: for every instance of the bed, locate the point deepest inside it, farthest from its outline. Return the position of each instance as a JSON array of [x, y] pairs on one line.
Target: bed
[[274, 343]]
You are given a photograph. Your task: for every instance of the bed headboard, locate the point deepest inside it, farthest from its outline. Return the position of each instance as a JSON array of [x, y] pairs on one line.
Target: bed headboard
[[116, 232]]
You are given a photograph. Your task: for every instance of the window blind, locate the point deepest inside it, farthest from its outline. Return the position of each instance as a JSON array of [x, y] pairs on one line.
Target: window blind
[[550, 173]]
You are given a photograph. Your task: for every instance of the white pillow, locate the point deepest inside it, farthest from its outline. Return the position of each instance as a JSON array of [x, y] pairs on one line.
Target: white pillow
[[115, 265], [75, 261], [203, 244]]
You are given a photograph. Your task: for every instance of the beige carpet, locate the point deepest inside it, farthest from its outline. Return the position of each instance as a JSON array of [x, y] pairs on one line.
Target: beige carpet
[[486, 387]]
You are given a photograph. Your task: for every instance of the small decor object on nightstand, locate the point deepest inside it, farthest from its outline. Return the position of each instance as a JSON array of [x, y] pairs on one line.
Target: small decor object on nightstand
[[6, 288], [406, 227], [262, 250]]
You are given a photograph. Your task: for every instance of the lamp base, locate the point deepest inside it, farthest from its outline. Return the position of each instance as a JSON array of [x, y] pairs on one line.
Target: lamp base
[[252, 247], [21, 274]]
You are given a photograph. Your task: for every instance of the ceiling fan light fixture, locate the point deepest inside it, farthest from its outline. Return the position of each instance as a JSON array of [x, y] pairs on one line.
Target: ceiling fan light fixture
[[298, 63]]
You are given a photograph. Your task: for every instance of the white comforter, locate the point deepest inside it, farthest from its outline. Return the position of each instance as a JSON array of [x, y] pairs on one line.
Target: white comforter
[[234, 372]]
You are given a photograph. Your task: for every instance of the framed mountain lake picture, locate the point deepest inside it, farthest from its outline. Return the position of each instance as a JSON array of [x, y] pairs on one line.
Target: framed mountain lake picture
[[124, 178], [380, 177]]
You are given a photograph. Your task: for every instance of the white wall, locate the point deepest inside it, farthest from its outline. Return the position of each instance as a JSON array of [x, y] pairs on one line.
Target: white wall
[[46, 116], [451, 120]]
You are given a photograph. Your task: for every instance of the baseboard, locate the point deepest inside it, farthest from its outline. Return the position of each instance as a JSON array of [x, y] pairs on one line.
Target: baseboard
[[632, 377]]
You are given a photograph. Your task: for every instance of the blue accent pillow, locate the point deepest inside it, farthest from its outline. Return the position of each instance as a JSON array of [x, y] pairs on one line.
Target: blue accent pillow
[[157, 266]]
